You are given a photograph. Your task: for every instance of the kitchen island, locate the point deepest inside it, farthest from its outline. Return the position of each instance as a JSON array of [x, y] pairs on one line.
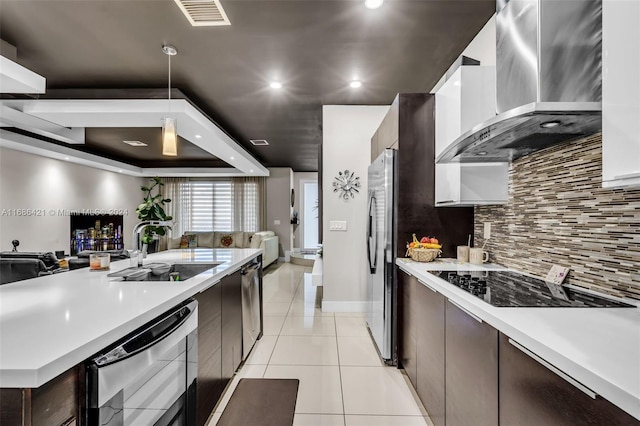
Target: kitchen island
[[596, 349], [51, 323]]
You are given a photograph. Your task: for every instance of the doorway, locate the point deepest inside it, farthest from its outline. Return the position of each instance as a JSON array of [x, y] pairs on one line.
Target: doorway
[[309, 216]]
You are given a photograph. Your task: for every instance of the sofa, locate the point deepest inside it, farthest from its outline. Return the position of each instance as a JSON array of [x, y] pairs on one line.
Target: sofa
[[19, 265], [18, 269], [265, 240]]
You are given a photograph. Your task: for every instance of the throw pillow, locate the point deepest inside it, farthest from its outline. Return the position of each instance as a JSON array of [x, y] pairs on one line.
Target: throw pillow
[[238, 239], [173, 243], [226, 240], [255, 241], [184, 242]]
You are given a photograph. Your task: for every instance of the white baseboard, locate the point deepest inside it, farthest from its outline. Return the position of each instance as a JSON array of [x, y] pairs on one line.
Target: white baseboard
[[282, 259], [343, 306], [287, 255]]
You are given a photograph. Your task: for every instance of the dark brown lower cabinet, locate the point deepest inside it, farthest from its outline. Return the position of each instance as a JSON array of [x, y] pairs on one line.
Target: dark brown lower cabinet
[[407, 285], [209, 351], [430, 333], [471, 369], [55, 403], [231, 287], [532, 394], [422, 343]]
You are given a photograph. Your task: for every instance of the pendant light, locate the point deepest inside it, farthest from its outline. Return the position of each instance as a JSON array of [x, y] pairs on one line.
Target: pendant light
[[169, 130]]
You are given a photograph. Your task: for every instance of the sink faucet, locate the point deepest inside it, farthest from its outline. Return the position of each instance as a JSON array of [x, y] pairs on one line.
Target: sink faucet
[[140, 226]]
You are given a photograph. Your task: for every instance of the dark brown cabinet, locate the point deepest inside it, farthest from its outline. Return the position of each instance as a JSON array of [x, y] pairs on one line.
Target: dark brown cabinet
[[532, 394], [471, 372], [231, 288], [210, 385], [422, 343], [219, 340], [431, 351], [407, 353], [57, 402]]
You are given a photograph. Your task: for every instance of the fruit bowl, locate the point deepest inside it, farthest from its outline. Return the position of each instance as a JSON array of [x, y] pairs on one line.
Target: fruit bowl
[[424, 250], [423, 255]]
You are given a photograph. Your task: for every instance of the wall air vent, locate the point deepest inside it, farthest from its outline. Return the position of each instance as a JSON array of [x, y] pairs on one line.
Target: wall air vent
[[203, 13], [259, 142]]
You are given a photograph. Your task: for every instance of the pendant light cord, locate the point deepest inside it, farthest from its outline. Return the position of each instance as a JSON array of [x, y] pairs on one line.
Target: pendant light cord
[[169, 84]]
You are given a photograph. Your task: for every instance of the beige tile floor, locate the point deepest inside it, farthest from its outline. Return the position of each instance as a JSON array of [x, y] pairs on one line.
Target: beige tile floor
[[342, 380]]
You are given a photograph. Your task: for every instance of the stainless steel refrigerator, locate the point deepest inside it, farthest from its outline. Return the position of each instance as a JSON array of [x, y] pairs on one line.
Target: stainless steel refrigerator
[[381, 254]]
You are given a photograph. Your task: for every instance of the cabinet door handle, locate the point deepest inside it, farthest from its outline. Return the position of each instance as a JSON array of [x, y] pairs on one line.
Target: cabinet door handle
[[475, 317], [555, 369], [627, 176], [428, 286]]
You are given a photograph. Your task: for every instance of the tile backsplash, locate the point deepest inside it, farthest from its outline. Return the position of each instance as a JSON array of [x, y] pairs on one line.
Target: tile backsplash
[[558, 213]]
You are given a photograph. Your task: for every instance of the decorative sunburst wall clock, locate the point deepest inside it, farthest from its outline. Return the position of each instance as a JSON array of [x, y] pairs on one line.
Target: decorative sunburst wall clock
[[346, 184]]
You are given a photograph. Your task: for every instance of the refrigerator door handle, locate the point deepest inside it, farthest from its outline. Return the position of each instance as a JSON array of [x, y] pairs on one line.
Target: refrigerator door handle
[[372, 240]]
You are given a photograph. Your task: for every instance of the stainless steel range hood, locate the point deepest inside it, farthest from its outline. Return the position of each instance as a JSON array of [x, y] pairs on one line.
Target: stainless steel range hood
[[549, 56]]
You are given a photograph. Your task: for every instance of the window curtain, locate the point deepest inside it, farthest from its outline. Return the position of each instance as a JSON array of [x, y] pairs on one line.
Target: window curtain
[[250, 212], [178, 190]]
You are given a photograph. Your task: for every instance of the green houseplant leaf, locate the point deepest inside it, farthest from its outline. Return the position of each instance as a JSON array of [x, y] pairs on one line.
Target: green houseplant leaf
[[151, 208]]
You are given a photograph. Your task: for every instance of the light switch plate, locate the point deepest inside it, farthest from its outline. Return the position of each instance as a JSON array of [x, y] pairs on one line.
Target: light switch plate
[[338, 225], [276, 222], [487, 230]]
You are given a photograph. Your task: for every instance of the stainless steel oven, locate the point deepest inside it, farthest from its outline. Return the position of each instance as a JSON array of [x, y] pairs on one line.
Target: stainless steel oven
[[149, 377]]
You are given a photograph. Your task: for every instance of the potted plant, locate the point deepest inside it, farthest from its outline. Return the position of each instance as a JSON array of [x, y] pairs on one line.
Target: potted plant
[[152, 208]]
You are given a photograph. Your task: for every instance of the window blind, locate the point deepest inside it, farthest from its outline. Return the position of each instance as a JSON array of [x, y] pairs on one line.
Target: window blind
[[222, 205]]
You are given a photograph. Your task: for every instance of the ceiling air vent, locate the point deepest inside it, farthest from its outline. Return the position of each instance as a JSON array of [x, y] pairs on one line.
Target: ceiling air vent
[[202, 13], [259, 142], [135, 143]]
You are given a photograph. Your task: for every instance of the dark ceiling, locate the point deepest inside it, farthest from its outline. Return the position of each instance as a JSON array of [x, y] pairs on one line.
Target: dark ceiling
[[314, 47]]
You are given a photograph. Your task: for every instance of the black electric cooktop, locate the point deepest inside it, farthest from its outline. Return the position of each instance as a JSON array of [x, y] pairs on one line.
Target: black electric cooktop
[[511, 289]]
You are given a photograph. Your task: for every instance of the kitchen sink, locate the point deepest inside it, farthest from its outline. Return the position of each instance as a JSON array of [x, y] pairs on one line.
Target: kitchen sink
[[163, 271]]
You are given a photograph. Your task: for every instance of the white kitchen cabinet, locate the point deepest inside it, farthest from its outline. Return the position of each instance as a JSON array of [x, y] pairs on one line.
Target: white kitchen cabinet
[[472, 184], [620, 93], [465, 100]]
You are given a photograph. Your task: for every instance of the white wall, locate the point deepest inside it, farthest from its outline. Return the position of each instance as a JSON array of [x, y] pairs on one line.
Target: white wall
[[346, 144], [28, 181], [482, 48], [279, 184], [298, 179]]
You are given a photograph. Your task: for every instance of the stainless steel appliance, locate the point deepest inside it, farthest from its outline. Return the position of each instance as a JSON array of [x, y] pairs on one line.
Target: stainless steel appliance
[[381, 254], [149, 377], [511, 289], [251, 305], [549, 85]]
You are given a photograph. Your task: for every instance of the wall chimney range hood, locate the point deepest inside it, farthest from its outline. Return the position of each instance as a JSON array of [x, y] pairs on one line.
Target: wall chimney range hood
[[549, 84]]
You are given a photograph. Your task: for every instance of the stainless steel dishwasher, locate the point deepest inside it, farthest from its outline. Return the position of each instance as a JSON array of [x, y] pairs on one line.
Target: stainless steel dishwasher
[[251, 305], [148, 377]]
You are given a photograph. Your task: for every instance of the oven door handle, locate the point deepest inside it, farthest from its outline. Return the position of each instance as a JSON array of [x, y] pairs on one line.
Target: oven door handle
[[148, 336]]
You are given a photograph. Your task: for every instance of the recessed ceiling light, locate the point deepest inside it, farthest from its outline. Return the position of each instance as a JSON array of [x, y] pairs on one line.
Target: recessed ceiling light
[[275, 85], [481, 153], [119, 170], [355, 84], [373, 4], [251, 171], [198, 136], [66, 158], [232, 158], [550, 124], [135, 143], [259, 142]]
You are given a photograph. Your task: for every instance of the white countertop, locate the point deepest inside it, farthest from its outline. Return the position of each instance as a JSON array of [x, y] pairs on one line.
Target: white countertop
[[598, 347], [51, 323]]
